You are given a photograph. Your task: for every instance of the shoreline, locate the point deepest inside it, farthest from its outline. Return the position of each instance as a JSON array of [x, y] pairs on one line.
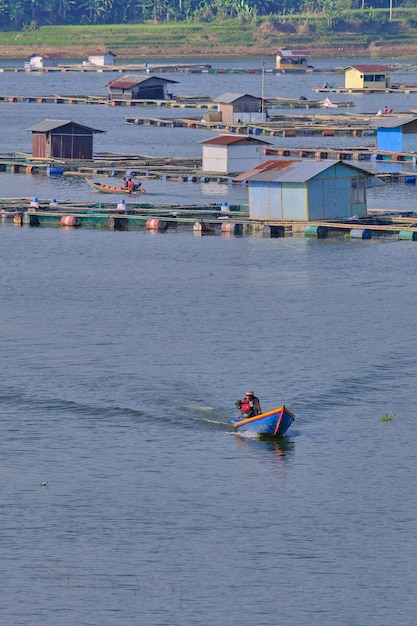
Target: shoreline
[[399, 51]]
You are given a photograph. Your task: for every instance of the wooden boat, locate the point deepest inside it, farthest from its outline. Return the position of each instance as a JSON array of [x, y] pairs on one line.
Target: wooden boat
[[272, 423], [112, 188]]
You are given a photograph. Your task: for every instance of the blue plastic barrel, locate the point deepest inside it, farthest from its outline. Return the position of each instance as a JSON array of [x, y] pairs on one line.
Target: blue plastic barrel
[[360, 233], [52, 170]]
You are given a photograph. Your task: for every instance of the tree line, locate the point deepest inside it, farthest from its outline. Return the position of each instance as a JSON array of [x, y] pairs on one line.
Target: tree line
[[30, 14]]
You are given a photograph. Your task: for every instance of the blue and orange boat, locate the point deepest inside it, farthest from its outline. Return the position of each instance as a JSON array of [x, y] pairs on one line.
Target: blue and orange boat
[[273, 423]]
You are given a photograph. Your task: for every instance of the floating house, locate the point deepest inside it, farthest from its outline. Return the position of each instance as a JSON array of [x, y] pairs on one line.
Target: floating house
[[132, 87], [301, 190], [237, 108], [397, 134], [291, 60], [367, 77], [101, 59], [62, 139], [41, 61], [230, 154]]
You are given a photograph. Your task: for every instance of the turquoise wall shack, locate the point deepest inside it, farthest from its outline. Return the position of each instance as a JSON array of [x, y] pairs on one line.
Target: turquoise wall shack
[[396, 134], [306, 190]]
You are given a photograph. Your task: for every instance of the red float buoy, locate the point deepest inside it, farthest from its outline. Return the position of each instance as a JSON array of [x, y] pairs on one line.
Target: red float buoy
[[70, 220], [158, 225]]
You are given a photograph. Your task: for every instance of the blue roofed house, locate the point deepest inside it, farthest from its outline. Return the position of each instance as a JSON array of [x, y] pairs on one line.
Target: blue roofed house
[[397, 134], [306, 190]]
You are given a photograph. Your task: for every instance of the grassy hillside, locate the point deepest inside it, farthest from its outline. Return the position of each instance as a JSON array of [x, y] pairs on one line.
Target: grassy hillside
[[374, 36]]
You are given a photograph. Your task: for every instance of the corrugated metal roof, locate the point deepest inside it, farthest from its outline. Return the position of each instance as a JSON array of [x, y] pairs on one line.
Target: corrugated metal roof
[[130, 80], [274, 165], [394, 122], [47, 125], [293, 53], [51, 55], [299, 171], [227, 140], [229, 97], [369, 68]]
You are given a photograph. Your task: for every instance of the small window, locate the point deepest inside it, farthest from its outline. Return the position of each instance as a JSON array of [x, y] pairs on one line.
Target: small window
[[358, 190]]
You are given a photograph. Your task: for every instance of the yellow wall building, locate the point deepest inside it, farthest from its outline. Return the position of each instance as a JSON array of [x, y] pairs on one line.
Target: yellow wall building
[[367, 77], [291, 60]]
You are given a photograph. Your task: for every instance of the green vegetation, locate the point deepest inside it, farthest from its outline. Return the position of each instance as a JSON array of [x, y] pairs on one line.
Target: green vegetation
[[389, 417], [326, 27]]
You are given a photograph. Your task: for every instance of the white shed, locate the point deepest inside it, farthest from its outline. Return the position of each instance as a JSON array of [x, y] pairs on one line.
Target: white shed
[[40, 61], [102, 58], [231, 154]]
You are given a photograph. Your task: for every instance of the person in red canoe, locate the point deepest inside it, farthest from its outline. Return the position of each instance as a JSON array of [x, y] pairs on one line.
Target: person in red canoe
[[250, 405], [130, 186]]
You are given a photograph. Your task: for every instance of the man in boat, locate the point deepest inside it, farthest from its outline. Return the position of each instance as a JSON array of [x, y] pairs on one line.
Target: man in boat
[[130, 186], [250, 405]]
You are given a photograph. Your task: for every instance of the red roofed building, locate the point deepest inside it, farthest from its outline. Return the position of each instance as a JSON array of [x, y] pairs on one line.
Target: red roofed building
[[132, 87], [232, 154], [367, 77]]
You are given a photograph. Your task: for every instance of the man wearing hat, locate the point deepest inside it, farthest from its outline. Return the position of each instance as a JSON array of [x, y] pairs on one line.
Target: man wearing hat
[[250, 405]]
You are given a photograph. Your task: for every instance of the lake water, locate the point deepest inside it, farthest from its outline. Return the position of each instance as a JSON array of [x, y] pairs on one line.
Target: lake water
[[127, 498], [154, 141]]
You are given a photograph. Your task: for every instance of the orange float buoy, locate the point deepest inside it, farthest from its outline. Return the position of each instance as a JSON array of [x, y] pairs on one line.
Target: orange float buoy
[[70, 220], [203, 227], [158, 225], [231, 229]]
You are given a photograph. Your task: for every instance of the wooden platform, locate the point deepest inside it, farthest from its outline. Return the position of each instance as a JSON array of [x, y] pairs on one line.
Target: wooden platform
[[215, 220], [179, 102], [114, 167]]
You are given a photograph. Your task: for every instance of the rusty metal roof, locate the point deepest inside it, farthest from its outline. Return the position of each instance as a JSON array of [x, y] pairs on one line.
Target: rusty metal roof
[[273, 165], [293, 171], [130, 80], [50, 55], [227, 140], [369, 68]]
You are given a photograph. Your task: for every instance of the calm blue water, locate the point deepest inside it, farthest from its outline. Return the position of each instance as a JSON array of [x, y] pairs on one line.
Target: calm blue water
[[122, 356]]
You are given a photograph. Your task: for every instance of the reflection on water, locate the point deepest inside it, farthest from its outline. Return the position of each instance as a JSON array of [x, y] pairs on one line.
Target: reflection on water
[[280, 447]]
